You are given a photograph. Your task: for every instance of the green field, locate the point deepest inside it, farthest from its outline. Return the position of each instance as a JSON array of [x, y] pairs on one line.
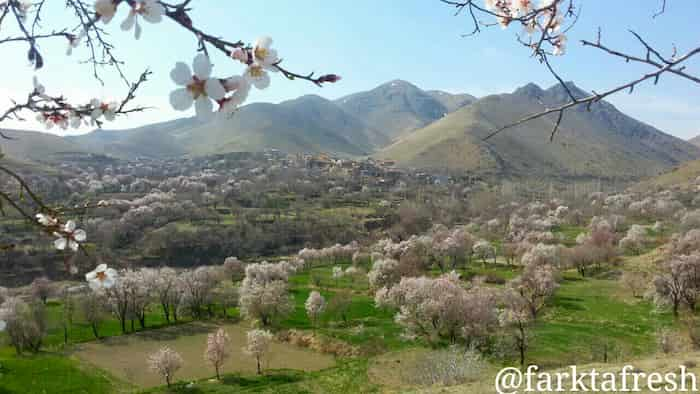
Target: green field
[[598, 310]]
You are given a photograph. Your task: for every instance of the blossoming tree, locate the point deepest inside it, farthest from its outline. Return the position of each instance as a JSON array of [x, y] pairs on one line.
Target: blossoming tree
[[258, 345], [165, 362], [216, 352]]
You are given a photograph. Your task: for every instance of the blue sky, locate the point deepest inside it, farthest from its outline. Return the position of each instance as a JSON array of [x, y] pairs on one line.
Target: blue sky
[[370, 42]]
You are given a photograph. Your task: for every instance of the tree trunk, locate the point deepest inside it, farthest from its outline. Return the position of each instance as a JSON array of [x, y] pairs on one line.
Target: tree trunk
[[94, 331], [522, 344], [257, 358], [166, 312], [675, 308]]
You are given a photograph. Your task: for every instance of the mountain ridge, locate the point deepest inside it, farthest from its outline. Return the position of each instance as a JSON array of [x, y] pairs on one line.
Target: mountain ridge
[[417, 128], [602, 142]]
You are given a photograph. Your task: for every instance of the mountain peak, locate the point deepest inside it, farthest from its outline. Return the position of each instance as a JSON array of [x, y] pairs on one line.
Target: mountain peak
[[307, 99], [398, 83], [695, 140], [529, 90], [559, 91]]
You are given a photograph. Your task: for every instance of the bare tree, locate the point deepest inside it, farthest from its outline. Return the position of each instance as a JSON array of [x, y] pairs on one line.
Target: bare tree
[[68, 312], [93, 307], [42, 289], [517, 317]]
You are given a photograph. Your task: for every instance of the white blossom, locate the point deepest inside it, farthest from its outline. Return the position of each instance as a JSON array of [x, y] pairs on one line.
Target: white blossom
[[101, 277], [264, 55], [315, 305], [108, 110], [258, 76], [151, 11], [198, 88], [46, 220], [240, 87], [69, 237]]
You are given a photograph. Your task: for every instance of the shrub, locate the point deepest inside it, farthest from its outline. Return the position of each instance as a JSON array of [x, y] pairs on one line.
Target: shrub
[[447, 367]]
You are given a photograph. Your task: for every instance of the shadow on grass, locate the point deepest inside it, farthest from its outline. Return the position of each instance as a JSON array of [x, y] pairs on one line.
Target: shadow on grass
[[275, 378], [569, 278], [167, 333], [568, 303]]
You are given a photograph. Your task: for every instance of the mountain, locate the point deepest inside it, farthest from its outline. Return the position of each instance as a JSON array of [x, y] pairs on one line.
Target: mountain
[[603, 142], [684, 176], [695, 141], [452, 102], [306, 124], [357, 125], [398, 107], [397, 120], [155, 140], [35, 146]]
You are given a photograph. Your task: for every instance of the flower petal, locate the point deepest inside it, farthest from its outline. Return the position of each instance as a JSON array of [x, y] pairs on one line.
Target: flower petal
[[202, 66], [262, 82], [137, 31], [80, 235], [155, 12], [181, 74], [264, 42], [60, 243], [204, 107], [129, 22], [74, 246], [70, 226], [181, 99], [101, 268], [214, 89], [92, 275]]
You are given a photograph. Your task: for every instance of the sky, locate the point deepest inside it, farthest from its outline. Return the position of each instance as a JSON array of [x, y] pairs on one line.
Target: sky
[[370, 42]]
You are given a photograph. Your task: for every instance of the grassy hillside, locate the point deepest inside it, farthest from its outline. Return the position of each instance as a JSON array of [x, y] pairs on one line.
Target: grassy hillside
[[603, 142], [452, 102], [683, 176], [307, 124], [33, 145], [398, 107]]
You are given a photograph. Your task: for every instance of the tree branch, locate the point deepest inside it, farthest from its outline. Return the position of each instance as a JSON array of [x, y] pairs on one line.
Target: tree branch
[[596, 97]]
